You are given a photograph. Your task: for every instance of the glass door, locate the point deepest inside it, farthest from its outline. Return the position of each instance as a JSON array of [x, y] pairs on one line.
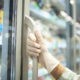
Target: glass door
[[10, 39]]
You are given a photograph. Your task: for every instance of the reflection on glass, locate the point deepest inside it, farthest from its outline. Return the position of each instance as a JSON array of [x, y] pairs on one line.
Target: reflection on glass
[[1, 26], [8, 24]]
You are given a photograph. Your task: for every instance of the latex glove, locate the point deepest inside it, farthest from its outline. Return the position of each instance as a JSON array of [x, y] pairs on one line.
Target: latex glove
[[33, 48], [36, 47]]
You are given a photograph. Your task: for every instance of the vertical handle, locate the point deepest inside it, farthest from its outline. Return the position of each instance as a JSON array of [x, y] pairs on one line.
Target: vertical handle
[[35, 69], [74, 30], [25, 58], [31, 24]]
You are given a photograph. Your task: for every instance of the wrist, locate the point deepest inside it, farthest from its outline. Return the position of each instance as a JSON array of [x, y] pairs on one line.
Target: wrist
[[58, 71]]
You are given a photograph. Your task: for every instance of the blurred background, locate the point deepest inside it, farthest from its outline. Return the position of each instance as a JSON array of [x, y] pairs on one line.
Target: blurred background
[[59, 23]]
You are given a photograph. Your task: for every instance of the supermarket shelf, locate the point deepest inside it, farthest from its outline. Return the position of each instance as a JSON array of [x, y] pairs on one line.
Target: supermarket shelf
[[45, 16], [58, 4]]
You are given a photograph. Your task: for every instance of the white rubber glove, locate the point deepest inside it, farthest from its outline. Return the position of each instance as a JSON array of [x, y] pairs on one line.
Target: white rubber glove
[[36, 47]]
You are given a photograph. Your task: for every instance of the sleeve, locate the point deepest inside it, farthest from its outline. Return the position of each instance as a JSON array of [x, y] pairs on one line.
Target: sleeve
[[69, 75]]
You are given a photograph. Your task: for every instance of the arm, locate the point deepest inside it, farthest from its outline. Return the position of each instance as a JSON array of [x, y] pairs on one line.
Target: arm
[[57, 70], [36, 47]]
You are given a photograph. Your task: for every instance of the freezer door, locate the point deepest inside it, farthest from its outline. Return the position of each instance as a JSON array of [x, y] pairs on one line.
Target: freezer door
[[11, 48]]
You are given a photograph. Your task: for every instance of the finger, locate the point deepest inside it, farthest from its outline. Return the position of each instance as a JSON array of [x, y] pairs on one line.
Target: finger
[[39, 36], [32, 44], [35, 50], [33, 54], [32, 37]]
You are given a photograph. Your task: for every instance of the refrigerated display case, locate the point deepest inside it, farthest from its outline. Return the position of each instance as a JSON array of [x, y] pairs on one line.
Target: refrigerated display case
[[55, 25]]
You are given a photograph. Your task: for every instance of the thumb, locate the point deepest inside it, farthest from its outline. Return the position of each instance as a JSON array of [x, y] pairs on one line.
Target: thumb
[[39, 36]]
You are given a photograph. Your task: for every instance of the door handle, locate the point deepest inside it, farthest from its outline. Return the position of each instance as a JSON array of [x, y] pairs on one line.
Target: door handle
[[31, 24]]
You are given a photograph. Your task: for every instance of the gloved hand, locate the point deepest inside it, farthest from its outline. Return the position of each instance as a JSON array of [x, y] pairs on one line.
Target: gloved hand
[[37, 48]]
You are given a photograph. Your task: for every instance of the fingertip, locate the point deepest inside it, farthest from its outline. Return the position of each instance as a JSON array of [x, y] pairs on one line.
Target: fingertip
[[37, 55], [37, 45], [38, 36]]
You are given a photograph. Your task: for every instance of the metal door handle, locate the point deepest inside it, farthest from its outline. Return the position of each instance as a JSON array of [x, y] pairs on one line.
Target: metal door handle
[[31, 24]]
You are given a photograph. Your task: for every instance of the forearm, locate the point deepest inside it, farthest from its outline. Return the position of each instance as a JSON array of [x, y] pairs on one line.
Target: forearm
[[58, 71], [48, 61]]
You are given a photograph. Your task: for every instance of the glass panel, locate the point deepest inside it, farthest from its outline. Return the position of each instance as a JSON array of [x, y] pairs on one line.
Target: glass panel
[[8, 56], [1, 26]]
